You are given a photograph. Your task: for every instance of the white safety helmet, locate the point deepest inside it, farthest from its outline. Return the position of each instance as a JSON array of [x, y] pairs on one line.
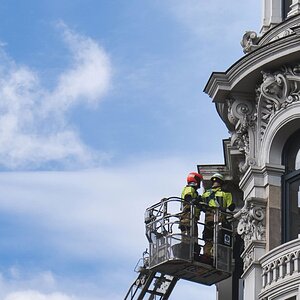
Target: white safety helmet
[[218, 177]]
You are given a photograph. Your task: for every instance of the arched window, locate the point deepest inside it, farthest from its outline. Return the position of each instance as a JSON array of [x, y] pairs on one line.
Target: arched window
[[286, 8], [297, 162], [291, 189]]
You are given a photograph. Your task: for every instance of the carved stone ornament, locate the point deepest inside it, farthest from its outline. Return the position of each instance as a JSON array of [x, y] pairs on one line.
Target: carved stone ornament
[[278, 90], [249, 41], [241, 115], [282, 34], [251, 224], [248, 259]]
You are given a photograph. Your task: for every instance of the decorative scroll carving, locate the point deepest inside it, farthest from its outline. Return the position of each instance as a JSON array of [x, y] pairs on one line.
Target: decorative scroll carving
[[251, 225], [249, 41], [241, 115], [278, 91]]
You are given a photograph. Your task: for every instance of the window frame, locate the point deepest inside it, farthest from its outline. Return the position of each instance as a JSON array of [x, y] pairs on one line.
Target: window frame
[[289, 155], [287, 179]]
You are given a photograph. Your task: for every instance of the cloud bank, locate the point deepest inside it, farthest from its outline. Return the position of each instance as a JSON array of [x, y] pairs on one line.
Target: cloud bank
[[92, 217], [35, 295], [34, 129]]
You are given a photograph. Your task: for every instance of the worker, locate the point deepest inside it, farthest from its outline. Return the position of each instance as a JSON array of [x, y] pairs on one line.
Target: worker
[[190, 197], [215, 197]]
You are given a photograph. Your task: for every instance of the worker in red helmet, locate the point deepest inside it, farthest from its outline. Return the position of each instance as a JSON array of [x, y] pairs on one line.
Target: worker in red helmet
[[190, 197]]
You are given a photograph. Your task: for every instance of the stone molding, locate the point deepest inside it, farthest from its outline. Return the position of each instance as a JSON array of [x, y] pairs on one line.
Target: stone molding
[[254, 182], [279, 31], [242, 76], [252, 40]]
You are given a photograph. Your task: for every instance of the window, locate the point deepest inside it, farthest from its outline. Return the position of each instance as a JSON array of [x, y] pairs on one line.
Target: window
[[285, 8], [291, 189], [297, 162]]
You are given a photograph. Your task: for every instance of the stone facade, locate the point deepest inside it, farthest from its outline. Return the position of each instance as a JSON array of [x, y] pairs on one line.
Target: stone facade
[[258, 99]]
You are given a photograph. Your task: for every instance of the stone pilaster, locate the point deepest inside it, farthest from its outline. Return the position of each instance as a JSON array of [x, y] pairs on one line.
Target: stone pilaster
[[271, 14], [252, 228]]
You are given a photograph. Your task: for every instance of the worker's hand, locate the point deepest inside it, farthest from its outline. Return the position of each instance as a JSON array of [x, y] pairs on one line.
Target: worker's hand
[[195, 201]]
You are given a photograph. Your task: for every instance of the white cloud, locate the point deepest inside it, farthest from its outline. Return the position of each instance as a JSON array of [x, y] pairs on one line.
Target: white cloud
[[84, 203], [35, 295], [93, 215], [30, 285], [34, 129], [45, 285], [89, 76]]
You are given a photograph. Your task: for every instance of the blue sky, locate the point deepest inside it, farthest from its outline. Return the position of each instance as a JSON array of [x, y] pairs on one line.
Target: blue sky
[[102, 114]]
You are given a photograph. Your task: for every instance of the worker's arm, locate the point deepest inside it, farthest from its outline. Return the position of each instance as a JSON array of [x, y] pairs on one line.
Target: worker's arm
[[229, 204]]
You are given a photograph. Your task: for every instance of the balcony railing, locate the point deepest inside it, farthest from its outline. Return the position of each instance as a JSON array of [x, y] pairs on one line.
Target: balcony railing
[[280, 266]]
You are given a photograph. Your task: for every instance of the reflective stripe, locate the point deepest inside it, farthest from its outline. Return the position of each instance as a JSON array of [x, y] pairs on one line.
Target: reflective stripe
[[211, 198]]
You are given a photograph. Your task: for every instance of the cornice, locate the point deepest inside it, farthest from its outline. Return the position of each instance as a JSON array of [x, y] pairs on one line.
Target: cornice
[[245, 74], [280, 30], [254, 173]]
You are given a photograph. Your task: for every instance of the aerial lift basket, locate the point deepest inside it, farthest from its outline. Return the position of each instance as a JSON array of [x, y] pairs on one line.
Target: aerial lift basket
[[180, 254]]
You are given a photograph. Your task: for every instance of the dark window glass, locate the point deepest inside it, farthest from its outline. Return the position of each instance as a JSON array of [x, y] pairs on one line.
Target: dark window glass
[[291, 189], [285, 7]]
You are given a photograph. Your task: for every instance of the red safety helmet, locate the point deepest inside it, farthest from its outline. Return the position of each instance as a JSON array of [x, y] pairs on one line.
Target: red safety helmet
[[194, 177]]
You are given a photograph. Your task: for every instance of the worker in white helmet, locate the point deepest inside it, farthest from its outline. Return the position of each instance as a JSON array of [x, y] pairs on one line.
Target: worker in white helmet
[[214, 197]]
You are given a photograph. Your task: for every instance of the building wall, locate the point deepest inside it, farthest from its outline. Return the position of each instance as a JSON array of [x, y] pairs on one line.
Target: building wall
[[258, 98]]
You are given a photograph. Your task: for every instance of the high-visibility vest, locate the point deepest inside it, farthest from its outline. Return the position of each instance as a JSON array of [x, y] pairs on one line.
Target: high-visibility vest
[[215, 197], [190, 192]]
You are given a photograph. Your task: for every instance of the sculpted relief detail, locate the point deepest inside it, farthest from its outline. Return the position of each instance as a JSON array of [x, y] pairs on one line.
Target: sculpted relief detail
[[241, 115], [250, 117], [278, 90], [251, 224]]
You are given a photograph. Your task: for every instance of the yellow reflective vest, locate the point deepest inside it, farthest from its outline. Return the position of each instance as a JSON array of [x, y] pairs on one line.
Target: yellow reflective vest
[[189, 193], [215, 197]]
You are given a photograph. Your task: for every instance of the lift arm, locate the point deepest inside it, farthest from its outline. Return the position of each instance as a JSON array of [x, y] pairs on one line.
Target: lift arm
[[151, 285]]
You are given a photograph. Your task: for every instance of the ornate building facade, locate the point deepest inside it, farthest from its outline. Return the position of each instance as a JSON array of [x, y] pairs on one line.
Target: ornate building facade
[[258, 99]]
